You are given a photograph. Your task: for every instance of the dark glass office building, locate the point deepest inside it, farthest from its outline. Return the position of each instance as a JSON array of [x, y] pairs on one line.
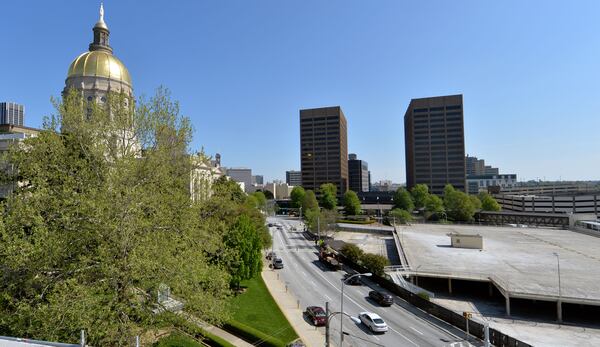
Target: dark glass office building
[[435, 143], [358, 174], [324, 148], [12, 113]]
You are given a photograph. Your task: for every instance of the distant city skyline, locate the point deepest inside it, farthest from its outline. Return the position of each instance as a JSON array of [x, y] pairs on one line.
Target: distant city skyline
[[528, 72]]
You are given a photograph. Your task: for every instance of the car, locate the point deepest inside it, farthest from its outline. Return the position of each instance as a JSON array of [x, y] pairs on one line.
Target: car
[[373, 321], [381, 298], [271, 255], [354, 281], [270, 225], [277, 263], [316, 315]]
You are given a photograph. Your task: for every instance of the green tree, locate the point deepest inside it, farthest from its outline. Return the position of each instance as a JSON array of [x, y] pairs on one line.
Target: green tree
[[375, 263], [261, 199], [458, 204], [351, 203], [352, 252], [401, 216], [433, 205], [229, 189], [269, 194], [403, 200], [488, 203], [310, 201], [475, 202], [297, 196], [420, 194], [101, 217], [328, 196], [243, 245]]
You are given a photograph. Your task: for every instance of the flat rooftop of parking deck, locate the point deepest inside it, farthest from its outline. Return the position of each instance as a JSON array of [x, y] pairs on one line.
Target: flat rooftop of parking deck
[[520, 260]]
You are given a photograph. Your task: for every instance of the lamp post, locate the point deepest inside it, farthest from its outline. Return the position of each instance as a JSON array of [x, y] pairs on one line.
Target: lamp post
[[559, 304], [367, 274]]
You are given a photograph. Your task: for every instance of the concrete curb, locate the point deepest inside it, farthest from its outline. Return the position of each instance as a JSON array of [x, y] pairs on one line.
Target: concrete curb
[[288, 304]]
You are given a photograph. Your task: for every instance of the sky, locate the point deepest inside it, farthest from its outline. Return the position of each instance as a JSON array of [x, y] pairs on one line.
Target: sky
[[529, 72]]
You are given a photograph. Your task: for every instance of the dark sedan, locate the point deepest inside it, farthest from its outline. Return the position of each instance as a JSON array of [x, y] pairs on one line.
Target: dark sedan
[[381, 298]]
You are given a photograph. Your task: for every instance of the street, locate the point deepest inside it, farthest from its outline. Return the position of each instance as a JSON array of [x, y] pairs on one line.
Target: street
[[313, 284]]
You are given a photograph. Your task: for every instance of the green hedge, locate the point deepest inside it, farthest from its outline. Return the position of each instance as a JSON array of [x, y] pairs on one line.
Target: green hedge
[[252, 335]]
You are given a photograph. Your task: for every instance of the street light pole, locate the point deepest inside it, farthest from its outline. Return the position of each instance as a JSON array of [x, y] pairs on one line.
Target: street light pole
[[367, 274]]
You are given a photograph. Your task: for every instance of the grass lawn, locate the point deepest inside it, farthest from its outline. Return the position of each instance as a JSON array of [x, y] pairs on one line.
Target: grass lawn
[[257, 309], [177, 340]]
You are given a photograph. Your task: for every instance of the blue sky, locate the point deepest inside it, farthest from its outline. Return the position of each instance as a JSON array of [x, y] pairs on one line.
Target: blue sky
[[529, 72]]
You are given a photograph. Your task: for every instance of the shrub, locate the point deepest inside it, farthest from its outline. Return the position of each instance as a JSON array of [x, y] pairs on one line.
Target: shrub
[[352, 252], [374, 262]]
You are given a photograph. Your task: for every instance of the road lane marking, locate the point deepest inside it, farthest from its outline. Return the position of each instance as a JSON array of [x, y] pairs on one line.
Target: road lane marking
[[327, 297], [417, 330], [406, 338]]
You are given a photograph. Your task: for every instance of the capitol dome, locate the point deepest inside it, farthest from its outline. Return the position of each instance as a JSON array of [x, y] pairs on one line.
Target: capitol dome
[[98, 71], [99, 64]]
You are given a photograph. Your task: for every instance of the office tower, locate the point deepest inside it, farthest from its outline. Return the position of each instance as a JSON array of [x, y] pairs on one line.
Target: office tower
[[12, 113], [358, 174], [324, 148], [293, 178], [435, 143], [258, 180], [241, 175]]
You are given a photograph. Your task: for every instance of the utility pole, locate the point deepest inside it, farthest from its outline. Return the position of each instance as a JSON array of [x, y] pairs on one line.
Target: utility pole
[[319, 228]]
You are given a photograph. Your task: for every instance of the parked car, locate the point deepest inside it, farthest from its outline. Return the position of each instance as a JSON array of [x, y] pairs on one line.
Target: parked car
[[373, 321], [271, 255], [277, 263], [354, 281], [270, 225], [316, 315], [381, 298]]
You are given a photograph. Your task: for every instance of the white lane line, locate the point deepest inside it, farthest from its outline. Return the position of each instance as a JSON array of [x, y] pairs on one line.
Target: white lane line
[[406, 338], [417, 330], [327, 297], [304, 273], [313, 283]]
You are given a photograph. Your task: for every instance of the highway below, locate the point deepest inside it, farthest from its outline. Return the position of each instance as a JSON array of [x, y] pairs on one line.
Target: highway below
[[313, 285]]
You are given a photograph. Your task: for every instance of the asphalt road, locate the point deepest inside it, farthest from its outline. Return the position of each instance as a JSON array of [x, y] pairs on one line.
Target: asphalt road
[[313, 284]]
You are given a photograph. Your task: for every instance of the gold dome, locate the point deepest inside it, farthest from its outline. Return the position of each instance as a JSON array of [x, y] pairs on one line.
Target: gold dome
[[99, 64]]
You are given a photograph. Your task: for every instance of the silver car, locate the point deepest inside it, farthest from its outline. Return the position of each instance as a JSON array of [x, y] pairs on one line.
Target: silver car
[[373, 322]]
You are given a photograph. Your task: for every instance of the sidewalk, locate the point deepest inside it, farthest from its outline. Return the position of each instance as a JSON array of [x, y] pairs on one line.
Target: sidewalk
[[311, 336]]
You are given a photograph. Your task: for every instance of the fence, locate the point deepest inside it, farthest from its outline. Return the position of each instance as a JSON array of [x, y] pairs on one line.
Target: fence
[[475, 328]]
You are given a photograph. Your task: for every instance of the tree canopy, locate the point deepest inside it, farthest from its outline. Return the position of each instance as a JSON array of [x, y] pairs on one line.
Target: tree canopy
[[351, 203], [297, 196], [488, 203], [328, 196], [401, 216], [459, 206], [310, 201], [403, 200], [102, 216], [420, 193]]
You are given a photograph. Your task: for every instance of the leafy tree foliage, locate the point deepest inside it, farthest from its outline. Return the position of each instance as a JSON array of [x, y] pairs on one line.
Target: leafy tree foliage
[[101, 217], [375, 263], [458, 204], [488, 203], [297, 196], [243, 245], [433, 205], [420, 194], [328, 196], [310, 201], [401, 216], [352, 252], [403, 200], [261, 199], [475, 202], [269, 194], [351, 203]]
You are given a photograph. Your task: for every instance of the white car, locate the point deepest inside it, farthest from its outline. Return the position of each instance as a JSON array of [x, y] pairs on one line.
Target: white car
[[373, 322]]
